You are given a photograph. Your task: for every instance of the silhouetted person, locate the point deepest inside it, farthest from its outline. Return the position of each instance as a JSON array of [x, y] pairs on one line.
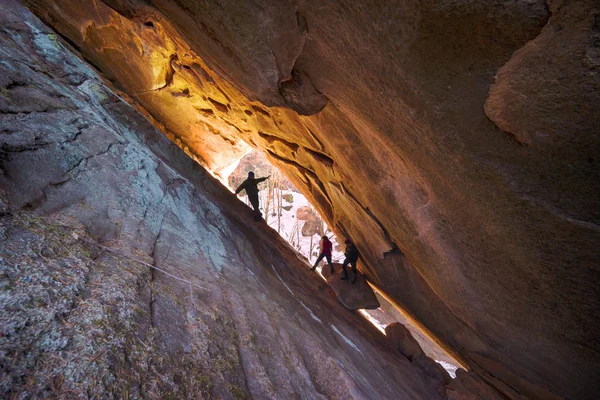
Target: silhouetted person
[[325, 253], [251, 188], [351, 258]]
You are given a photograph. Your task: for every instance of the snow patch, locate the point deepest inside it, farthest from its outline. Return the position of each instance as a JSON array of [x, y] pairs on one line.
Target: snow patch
[[284, 284], [312, 314], [448, 367], [373, 321], [346, 339]]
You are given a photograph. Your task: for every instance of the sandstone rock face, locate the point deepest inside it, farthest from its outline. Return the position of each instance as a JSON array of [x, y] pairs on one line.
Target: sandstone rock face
[[154, 68], [460, 135], [468, 387], [128, 271]]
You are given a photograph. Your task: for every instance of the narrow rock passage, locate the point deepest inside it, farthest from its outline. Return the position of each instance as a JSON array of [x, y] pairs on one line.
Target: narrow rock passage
[[79, 320]]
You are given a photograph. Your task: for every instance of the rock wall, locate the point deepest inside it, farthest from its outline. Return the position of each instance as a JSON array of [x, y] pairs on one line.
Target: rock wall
[[455, 142], [128, 271]]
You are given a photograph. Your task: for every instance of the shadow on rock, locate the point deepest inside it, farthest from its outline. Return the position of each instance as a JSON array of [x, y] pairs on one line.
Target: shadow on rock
[[352, 296]]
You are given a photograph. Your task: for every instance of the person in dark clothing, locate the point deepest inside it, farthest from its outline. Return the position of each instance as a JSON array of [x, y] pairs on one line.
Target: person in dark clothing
[[251, 188], [351, 258], [325, 253]]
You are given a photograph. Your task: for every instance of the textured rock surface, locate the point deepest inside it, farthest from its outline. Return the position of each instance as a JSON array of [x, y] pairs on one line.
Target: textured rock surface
[[388, 314], [468, 387], [94, 199], [353, 296], [401, 339], [464, 133], [155, 69]]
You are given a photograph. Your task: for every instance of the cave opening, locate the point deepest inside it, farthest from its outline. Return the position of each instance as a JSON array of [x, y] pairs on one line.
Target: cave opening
[[286, 210]]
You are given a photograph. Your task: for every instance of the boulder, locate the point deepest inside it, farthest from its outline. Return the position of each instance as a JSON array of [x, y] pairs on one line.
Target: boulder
[[304, 212], [401, 339], [312, 226], [432, 369], [468, 386], [388, 314], [352, 296]]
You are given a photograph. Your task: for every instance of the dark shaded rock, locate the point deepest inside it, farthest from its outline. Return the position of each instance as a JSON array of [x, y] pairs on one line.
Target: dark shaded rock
[[388, 314], [401, 339], [432, 369], [300, 94], [3, 207], [352, 296], [468, 386]]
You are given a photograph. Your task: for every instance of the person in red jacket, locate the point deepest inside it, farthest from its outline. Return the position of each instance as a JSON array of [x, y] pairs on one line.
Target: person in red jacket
[[325, 253]]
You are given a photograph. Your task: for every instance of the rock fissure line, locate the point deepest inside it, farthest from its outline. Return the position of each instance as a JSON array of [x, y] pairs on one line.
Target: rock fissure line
[[151, 282], [385, 232], [7, 148], [85, 159], [48, 110]]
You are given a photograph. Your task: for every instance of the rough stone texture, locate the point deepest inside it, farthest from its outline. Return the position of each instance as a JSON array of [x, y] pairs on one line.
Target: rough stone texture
[[463, 133], [154, 68], [97, 198], [469, 387], [388, 314], [401, 339], [352, 296], [432, 369]]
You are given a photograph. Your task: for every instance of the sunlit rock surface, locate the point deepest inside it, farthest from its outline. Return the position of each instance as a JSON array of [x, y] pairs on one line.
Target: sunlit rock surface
[[456, 143], [93, 199]]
